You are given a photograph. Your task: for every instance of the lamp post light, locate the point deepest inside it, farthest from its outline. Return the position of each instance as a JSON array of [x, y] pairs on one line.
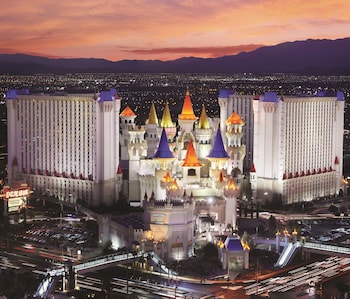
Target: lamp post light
[[127, 279], [257, 273], [178, 260]]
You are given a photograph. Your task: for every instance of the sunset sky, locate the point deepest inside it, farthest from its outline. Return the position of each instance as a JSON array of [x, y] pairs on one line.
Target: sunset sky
[[164, 29]]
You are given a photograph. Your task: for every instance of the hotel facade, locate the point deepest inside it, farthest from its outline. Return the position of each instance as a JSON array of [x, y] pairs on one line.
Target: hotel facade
[[298, 147], [65, 146]]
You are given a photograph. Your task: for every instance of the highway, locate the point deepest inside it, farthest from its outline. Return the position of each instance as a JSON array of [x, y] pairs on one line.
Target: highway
[[305, 277]]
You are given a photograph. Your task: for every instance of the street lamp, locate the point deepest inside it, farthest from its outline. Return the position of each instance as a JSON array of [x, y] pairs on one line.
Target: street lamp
[[257, 272], [178, 259], [127, 278]]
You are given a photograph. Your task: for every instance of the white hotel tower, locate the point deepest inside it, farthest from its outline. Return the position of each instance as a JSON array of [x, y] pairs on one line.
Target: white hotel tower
[[298, 146], [65, 145]]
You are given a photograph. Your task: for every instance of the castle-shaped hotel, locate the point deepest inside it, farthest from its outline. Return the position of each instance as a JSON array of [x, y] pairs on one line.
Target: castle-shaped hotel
[[191, 155], [78, 148]]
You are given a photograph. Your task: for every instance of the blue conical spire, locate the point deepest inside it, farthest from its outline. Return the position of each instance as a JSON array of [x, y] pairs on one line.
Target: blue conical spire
[[163, 151], [218, 149]]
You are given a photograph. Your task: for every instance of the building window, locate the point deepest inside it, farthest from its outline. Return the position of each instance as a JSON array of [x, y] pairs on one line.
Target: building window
[[191, 172]]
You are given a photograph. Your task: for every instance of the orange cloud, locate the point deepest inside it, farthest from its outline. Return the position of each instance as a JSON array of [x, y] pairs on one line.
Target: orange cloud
[[158, 29], [193, 51]]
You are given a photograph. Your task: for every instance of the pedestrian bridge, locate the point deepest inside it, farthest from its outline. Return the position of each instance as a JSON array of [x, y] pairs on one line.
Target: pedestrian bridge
[[326, 249], [291, 248], [47, 284]]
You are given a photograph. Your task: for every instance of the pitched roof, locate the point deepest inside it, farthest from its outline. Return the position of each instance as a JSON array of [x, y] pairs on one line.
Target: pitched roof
[[107, 95], [218, 149], [252, 169], [166, 121], [233, 244], [234, 119], [152, 117], [163, 150], [13, 93], [271, 96], [225, 93], [187, 109], [203, 120], [127, 112], [119, 171], [191, 159]]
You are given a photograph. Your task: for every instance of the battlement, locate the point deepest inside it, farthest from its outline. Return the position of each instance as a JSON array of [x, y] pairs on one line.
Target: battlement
[[170, 204]]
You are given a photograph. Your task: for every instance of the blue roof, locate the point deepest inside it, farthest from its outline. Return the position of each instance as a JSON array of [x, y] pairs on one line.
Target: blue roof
[[218, 149], [225, 93], [271, 96], [13, 93], [163, 151], [233, 244], [106, 96], [338, 94]]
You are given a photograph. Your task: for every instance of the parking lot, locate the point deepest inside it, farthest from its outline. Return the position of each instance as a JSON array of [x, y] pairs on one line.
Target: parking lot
[[53, 229]]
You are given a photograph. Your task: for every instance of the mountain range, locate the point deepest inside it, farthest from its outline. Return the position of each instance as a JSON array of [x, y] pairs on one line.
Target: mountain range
[[303, 57]]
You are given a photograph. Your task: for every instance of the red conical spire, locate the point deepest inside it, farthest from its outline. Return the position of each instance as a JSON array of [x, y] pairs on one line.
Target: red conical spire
[[252, 169]]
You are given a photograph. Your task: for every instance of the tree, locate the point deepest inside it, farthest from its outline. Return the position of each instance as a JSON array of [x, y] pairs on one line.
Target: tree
[[210, 251], [107, 248], [333, 209]]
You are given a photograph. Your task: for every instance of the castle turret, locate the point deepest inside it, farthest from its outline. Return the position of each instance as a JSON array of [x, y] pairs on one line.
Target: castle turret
[[119, 179], [187, 118], [217, 156], [226, 106], [167, 124], [231, 193], [253, 181], [235, 147], [203, 132], [132, 140], [127, 121], [164, 159], [191, 166], [152, 131]]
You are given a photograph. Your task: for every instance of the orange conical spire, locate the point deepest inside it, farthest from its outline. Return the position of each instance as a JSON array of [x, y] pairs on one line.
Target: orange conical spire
[[166, 119], [191, 156], [127, 112], [231, 185], [203, 120], [234, 119], [152, 118], [174, 186], [166, 178], [187, 109]]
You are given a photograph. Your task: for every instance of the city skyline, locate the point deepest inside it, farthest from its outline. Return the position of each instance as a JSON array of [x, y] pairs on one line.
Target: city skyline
[[164, 30]]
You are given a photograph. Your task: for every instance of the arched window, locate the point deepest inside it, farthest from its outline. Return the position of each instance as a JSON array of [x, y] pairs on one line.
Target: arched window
[[191, 172]]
